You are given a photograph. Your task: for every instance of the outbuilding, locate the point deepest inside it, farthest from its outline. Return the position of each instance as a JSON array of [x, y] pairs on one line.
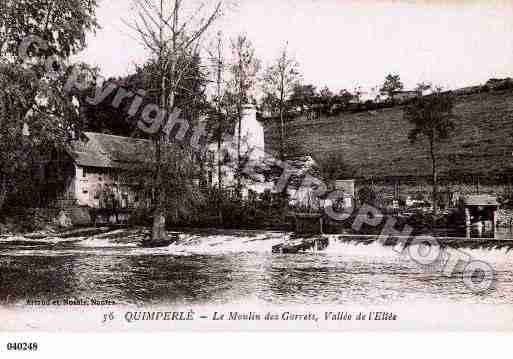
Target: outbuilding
[[481, 212]]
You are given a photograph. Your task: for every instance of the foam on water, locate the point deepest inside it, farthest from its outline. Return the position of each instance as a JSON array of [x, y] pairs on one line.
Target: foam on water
[[373, 249], [125, 242], [220, 244], [103, 242]]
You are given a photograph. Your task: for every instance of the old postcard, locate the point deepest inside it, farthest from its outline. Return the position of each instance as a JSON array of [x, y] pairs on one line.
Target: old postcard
[[173, 165]]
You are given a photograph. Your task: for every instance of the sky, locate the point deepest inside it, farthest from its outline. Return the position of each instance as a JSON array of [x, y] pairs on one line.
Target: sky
[[343, 44]]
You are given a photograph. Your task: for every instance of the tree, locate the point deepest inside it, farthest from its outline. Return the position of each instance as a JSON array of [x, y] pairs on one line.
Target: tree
[[219, 119], [326, 101], [37, 37], [222, 114], [326, 93], [190, 96], [391, 85], [332, 167], [344, 97], [303, 97], [62, 24], [270, 105], [432, 118], [244, 70], [172, 35], [104, 117], [278, 83], [357, 93]]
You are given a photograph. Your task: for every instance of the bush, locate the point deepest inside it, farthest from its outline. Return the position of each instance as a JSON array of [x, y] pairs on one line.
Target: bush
[[419, 196], [266, 210], [24, 220]]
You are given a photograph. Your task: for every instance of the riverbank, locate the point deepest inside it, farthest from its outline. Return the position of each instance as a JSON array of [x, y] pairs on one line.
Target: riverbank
[[20, 221]]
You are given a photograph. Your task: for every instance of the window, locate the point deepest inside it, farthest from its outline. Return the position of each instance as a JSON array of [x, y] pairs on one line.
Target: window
[[84, 172]]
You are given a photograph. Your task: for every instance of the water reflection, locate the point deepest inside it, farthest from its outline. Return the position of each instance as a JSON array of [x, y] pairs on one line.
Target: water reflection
[[345, 273]]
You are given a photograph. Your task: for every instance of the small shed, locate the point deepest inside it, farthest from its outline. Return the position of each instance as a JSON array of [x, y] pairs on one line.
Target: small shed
[[481, 211]]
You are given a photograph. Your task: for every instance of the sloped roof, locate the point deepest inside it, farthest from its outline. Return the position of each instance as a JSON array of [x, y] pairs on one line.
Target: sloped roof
[[109, 151]]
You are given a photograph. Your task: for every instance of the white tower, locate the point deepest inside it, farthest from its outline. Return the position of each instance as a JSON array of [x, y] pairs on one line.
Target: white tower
[[252, 133], [251, 145]]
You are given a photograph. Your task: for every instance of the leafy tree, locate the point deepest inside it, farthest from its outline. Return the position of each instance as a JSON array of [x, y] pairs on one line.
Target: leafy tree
[[340, 101], [37, 113], [326, 101], [332, 167], [278, 83], [269, 104], [304, 97], [326, 92], [307, 100], [103, 117], [432, 118], [62, 24], [115, 118], [391, 85]]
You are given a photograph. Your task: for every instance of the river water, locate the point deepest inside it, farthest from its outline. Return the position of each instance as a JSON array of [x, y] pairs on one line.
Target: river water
[[236, 268]]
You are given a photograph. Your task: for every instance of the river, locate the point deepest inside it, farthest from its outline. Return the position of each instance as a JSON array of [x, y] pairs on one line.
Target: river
[[235, 268]]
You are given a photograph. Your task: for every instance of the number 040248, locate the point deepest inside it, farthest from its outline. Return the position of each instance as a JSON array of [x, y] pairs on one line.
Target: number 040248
[[22, 346]]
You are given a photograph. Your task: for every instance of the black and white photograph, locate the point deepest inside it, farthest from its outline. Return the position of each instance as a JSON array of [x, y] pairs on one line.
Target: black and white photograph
[[244, 165]]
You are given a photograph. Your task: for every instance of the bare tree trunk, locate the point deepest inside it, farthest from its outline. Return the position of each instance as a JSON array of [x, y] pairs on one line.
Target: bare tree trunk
[[219, 164], [282, 124], [3, 191], [239, 157], [282, 134], [240, 108], [434, 177], [220, 130], [219, 179], [159, 226], [159, 218]]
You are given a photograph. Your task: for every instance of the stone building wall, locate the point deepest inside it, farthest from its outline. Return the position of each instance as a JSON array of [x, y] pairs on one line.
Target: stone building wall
[[94, 185]]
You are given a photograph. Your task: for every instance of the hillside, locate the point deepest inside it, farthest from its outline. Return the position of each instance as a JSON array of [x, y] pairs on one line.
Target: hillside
[[375, 143]]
